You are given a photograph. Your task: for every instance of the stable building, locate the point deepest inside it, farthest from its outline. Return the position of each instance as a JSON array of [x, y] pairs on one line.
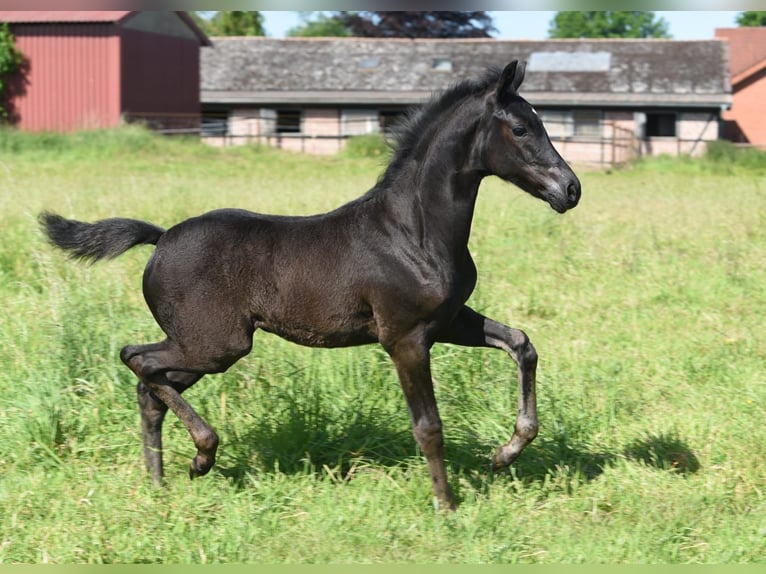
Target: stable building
[[603, 101]]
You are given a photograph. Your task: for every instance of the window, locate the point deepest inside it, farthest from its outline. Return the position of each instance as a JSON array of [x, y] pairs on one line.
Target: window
[[214, 124], [441, 64], [288, 122], [369, 63], [558, 123], [572, 123], [357, 122], [587, 123], [661, 125]]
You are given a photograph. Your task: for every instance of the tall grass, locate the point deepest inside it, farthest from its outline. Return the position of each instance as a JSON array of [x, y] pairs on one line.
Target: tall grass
[[646, 305]]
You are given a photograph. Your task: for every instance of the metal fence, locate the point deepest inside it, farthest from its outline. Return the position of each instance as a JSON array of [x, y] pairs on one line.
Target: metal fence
[[607, 144], [610, 145]]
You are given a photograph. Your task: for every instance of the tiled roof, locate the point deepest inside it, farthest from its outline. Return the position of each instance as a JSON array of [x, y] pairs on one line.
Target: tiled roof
[[604, 72], [34, 17], [119, 17], [747, 47]]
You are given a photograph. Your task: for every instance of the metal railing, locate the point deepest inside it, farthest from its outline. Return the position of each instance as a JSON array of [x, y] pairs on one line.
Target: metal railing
[[605, 144]]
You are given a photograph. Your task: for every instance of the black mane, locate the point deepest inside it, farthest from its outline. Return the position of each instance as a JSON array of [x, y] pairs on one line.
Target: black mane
[[409, 132]]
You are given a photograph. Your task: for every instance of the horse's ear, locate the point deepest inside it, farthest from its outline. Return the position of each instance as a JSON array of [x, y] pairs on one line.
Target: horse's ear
[[511, 78]]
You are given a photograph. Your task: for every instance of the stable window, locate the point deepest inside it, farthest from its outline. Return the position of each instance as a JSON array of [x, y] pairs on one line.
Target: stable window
[[587, 123], [214, 124], [289, 121], [661, 125], [558, 123], [357, 122]]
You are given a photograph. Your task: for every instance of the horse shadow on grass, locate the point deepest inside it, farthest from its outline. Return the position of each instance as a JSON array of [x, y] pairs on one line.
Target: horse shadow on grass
[[301, 442], [312, 442], [560, 463]]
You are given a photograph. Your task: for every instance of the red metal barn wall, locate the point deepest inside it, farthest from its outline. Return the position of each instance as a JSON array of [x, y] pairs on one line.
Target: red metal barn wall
[[160, 79], [72, 80]]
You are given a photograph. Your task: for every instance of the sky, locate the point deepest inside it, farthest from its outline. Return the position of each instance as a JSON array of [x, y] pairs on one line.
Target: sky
[[518, 25]]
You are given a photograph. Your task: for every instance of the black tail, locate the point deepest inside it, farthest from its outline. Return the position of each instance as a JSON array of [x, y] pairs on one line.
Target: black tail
[[104, 239]]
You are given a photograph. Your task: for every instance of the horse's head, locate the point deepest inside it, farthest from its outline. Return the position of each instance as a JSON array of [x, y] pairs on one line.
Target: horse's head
[[517, 148]]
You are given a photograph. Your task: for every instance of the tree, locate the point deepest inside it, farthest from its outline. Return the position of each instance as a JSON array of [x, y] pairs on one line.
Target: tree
[[751, 19], [11, 60], [320, 24], [607, 24], [231, 23], [419, 24]]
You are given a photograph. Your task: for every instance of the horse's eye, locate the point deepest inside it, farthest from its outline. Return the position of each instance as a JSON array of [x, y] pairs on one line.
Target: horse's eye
[[519, 131]]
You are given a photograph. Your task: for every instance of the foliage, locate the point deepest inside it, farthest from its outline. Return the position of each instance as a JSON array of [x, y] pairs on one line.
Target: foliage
[[721, 157], [369, 145], [608, 24], [645, 303], [232, 23], [729, 156], [468, 24], [10, 61], [320, 24], [751, 18]]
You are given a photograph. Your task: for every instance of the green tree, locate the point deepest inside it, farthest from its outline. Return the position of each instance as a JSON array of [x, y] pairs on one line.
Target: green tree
[[320, 24], [608, 24], [419, 24], [233, 23], [10, 61], [751, 19]]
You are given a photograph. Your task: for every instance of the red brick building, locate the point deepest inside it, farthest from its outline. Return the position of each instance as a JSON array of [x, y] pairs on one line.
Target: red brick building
[[746, 120]]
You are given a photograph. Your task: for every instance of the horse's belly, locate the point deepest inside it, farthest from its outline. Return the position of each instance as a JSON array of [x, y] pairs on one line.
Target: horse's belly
[[315, 324], [311, 336]]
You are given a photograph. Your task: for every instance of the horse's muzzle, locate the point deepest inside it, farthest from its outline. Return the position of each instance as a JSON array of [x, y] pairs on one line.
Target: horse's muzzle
[[562, 198]]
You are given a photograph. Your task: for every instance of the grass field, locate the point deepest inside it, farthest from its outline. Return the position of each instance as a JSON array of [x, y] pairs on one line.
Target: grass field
[[646, 305]]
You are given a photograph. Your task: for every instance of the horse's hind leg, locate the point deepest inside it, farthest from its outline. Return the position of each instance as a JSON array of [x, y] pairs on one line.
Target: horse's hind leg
[[164, 371], [153, 412], [470, 329]]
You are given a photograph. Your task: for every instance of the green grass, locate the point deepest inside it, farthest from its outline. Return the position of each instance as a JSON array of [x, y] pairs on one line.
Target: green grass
[[646, 305]]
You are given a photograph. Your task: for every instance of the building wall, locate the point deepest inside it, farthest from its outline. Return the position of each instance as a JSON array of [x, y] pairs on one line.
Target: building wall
[[747, 110], [618, 140], [694, 130], [160, 79], [70, 79], [320, 130]]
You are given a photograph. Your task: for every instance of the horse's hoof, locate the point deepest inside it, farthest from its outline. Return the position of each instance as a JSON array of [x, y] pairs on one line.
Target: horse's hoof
[[197, 469], [502, 460]]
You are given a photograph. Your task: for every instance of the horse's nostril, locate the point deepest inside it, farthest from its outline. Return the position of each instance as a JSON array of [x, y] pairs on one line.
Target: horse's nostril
[[573, 192]]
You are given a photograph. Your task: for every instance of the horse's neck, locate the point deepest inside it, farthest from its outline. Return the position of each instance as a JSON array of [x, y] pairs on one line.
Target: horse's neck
[[435, 189]]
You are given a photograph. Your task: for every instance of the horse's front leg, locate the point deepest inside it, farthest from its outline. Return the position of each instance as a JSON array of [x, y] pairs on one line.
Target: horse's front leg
[[471, 329], [411, 356]]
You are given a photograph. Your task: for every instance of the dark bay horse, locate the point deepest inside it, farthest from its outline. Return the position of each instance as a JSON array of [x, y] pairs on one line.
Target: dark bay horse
[[391, 267]]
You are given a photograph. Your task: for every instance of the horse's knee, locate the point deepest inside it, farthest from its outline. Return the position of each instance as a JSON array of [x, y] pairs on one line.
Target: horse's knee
[[429, 435], [523, 350], [529, 354]]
